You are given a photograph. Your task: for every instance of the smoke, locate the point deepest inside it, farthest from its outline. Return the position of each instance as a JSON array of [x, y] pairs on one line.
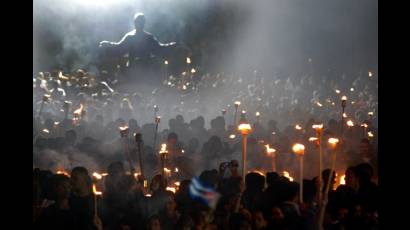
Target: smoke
[[53, 160]]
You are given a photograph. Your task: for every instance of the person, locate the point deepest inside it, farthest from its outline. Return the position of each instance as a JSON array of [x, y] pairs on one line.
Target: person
[[59, 215], [81, 198]]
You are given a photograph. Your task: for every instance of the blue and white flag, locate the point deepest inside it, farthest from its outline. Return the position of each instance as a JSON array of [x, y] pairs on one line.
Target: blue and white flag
[[207, 195]]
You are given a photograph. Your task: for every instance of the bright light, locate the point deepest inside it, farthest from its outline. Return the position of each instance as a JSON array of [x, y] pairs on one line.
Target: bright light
[[350, 123], [333, 141], [298, 127], [232, 136], [319, 104], [97, 176], [344, 98], [351, 89], [370, 134], [244, 128], [317, 126], [337, 91], [313, 138], [298, 149], [257, 114], [166, 62], [237, 103], [370, 74], [188, 60], [193, 70]]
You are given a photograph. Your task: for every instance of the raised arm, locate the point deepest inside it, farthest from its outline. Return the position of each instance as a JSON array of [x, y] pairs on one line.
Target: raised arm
[[120, 47]]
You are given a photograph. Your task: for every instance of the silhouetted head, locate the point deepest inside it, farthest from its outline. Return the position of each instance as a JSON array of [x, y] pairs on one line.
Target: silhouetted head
[[139, 21]]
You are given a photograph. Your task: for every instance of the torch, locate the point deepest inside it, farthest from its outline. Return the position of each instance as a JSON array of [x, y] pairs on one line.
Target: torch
[[46, 98], [157, 121], [271, 152], [156, 109], [138, 139], [244, 128], [364, 125], [66, 108], [124, 135], [223, 112], [96, 193], [257, 114], [237, 103], [344, 99], [319, 128], [333, 144], [166, 69], [299, 150], [162, 153]]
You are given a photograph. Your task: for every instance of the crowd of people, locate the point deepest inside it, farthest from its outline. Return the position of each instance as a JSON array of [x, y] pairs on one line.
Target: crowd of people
[[79, 120]]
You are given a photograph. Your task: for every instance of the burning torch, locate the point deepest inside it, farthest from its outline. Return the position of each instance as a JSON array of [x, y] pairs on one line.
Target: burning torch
[[244, 128], [124, 131], [138, 139], [299, 150]]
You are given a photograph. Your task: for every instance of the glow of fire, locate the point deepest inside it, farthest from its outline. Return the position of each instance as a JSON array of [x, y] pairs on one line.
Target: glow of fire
[[344, 98], [232, 136], [298, 127], [370, 74], [176, 170], [46, 131], [172, 189], [79, 110], [237, 103], [97, 193], [370, 113], [298, 149], [287, 175], [63, 172], [243, 112], [364, 125], [344, 115], [333, 141], [148, 195], [370, 134], [244, 128], [97, 176], [188, 60], [104, 174], [167, 170], [319, 104], [258, 114], [123, 128], [166, 62], [342, 180], [351, 89], [163, 149], [136, 175], [313, 138], [177, 183], [269, 150], [350, 123], [317, 127], [337, 91], [193, 70]]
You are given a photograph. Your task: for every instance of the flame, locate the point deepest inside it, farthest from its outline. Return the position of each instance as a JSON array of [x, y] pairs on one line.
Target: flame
[[342, 179], [370, 113], [193, 70], [104, 174], [351, 89], [97, 193], [317, 127], [313, 138], [243, 112], [123, 128], [166, 62], [337, 91], [157, 119], [370, 74], [172, 189], [63, 172], [46, 131], [344, 98], [353, 102], [167, 170], [344, 115], [237, 103], [258, 172], [370, 134], [232, 136], [258, 114], [163, 149], [176, 170], [273, 133], [298, 127], [97, 176], [350, 123], [148, 195], [364, 125], [183, 151], [184, 87], [319, 104], [145, 183], [333, 141], [244, 128], [269, 150], [79, 110], [287, 175], [136, 175], [298, 149], [188, 60]]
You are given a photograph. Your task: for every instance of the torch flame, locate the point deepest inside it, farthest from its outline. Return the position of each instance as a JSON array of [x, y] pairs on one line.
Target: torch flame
[[166, 62], [79, 110], [298, 127], [344, 115], [344, 98], [232, 136], [270, 151], [317, 127], [123, 128], [97, 176], [237, 103], [370, 134], [63, 172], [244, 128], [188, 60], [177, 183], [333, 141], [370, 74], [287, 175], [258, 114], [337, 91], [97, 193], [319, 104], [364, 125], [176, 170], [298, 149], [172, 189], [313, 138], [193, 70], [342, 180], [163, 149], [350, 123]]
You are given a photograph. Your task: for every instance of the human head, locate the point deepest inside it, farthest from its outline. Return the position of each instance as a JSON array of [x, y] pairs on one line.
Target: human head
[[61, 188], [351, 178], [259, 221], [154, 223], [80, 180], [139, 21]]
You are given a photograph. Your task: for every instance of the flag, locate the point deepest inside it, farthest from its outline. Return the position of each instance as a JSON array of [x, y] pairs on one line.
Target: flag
[[205, 194]]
